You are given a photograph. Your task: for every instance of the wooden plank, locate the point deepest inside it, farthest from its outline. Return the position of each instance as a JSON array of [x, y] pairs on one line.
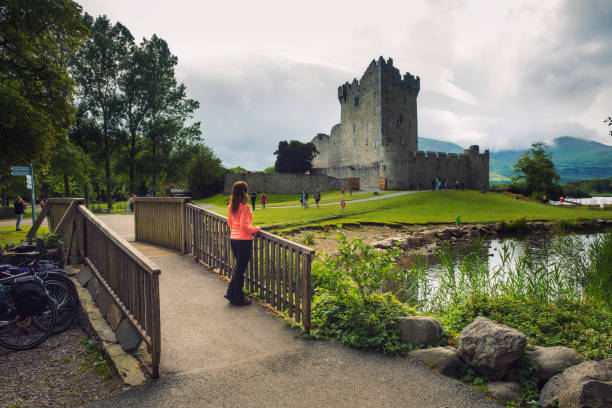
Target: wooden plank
[[255, 262], [307, 295], [298, 291], [32, 232], [290, 281], [125, 246], [70, 240], [66, 218], [156, 329]]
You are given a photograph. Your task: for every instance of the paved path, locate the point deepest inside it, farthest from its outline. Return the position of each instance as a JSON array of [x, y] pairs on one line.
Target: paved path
[[311, 202], [217, 355]]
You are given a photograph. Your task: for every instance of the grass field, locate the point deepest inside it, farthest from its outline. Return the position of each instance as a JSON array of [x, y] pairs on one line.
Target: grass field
[[8, 233], [426, 207], [277, 200]]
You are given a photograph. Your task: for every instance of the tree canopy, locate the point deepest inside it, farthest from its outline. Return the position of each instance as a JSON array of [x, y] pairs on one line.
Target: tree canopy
[[36, 91], [294, 156], [537, 170]]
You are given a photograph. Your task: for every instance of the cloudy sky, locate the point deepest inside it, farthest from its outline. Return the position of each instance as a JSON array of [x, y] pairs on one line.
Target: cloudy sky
[[499, 74]]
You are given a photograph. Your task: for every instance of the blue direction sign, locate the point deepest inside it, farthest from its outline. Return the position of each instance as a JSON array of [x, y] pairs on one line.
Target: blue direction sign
[[28, 172]]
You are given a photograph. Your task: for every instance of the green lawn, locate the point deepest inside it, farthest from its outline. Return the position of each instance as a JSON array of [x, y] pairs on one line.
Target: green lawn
[[426, 207], [277, 200], [8, 233]]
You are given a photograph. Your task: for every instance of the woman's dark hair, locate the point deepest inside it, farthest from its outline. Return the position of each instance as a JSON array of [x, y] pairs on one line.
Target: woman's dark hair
[[239, 195]]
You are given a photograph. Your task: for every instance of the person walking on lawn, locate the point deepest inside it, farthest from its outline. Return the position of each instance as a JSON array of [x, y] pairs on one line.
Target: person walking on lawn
[[239, 219], [253, 195], [264, 199], [317, 197], [20, 209]]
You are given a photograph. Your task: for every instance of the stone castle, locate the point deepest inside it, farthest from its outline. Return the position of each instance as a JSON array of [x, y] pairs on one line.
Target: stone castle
[[375, 145]]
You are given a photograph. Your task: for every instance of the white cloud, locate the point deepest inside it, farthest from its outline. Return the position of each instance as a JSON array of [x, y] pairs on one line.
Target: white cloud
[[497, 74]]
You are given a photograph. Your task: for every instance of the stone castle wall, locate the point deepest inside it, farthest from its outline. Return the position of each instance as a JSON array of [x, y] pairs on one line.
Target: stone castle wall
[[378, 137], [284, 183]]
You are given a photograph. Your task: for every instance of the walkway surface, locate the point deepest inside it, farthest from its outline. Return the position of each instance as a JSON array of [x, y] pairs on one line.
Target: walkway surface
[[218, 355]]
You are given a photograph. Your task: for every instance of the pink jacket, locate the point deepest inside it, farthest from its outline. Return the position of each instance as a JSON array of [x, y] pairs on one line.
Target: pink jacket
[[240, 223]]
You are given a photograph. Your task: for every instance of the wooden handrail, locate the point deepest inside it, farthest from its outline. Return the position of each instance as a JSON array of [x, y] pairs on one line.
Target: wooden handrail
[[164, 199], [125, 246]]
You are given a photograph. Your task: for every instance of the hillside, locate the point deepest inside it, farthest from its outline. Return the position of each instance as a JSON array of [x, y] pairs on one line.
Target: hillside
[[575, 159]]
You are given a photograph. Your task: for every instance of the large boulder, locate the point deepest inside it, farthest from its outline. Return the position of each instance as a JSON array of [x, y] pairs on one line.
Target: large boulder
[[504, 391], [420, 330], [570, 385], [553, 360], [442, 359], [490, 347]]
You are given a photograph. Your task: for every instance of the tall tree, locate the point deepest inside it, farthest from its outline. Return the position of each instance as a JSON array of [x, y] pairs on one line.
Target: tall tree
[[537, 170], [36, 91], [97, 68], [294, 156], [135, 91], [205, 173], [69, 162], [168, 107]]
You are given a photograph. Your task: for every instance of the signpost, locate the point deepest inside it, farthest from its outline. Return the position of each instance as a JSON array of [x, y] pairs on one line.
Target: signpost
[[28, 172]]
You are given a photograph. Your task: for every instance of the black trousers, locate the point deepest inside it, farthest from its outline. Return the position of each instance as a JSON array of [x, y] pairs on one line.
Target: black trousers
[[242, 252]]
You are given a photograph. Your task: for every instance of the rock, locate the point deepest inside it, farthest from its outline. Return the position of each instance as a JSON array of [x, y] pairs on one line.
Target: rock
[[442, 359], [589, 394], [420, 330], [94, 287], [504, 391], [127, 366], [114, 316], [127, 335], [443, 235], [553, 360], [490, 347], [103, 330], [573, 378], [103, 300], [84, 275]]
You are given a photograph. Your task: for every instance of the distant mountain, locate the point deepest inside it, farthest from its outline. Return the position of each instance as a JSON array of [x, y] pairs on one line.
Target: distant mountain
[[432, 145], [575, 159]]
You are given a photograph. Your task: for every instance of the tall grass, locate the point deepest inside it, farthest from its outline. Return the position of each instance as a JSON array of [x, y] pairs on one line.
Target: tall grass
[[566, 272]]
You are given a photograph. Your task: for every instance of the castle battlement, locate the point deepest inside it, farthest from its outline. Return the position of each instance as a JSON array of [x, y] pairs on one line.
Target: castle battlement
[[376, 140]]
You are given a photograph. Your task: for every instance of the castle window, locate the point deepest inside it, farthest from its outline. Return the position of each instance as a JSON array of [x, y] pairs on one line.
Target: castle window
[[354, 128], [375, 144], [384, 167], [356, 101]]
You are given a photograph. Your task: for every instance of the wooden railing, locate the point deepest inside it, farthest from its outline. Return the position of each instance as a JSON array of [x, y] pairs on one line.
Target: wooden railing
[[279, 270], [160, 221], [131, 279]]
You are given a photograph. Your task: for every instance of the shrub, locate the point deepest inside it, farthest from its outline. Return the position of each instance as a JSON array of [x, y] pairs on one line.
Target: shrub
[[345, 306], [518, 225], [571, 324]]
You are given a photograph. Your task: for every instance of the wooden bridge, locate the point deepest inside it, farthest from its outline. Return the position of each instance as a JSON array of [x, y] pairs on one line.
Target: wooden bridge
[[279, 271]]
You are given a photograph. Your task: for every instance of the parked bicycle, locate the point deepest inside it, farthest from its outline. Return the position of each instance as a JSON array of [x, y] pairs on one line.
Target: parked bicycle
[[27, 313]]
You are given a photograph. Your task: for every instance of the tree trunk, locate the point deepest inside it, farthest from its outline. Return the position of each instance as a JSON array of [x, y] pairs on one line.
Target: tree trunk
[[66, 185], [109, 192], [154, 170], [132, 159]]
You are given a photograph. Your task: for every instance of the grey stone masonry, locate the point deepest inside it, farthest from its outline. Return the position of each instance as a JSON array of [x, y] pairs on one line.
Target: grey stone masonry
[[377, 137]]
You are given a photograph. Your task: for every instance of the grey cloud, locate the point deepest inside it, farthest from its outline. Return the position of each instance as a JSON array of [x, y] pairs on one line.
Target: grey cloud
[[246, 114]]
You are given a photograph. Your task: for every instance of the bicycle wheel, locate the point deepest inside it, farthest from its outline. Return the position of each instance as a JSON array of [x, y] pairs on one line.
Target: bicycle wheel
[[18, 333], [65, 299]]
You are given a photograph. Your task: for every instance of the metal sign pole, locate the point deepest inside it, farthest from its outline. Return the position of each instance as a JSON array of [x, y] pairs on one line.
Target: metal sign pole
[[33, 197]]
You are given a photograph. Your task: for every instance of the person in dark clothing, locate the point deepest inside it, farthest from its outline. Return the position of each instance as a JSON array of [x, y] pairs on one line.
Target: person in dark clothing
[[253, 195], [20, 208]]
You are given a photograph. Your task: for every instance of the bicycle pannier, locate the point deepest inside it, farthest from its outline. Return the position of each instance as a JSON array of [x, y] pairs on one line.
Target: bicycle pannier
[[30, 296]]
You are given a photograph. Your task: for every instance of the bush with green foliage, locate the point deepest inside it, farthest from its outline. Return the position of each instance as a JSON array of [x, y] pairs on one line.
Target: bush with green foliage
[[345, 304], [572, 324]]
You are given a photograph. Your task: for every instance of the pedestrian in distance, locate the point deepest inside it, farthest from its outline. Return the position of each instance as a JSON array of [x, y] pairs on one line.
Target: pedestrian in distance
[[264, 199], [19, 207], [342, 205], [253, 195], [458, 221], [239, 219], [301, 198], [317, 197], [131, 202], [342, 191], [350, 191], [305, 199], [433, 185]]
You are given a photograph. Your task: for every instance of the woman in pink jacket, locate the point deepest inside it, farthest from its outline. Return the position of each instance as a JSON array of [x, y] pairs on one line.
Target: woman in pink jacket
[[239, 218]]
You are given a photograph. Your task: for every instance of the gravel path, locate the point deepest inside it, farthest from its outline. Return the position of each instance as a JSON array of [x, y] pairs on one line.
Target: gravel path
[[54, 374]]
